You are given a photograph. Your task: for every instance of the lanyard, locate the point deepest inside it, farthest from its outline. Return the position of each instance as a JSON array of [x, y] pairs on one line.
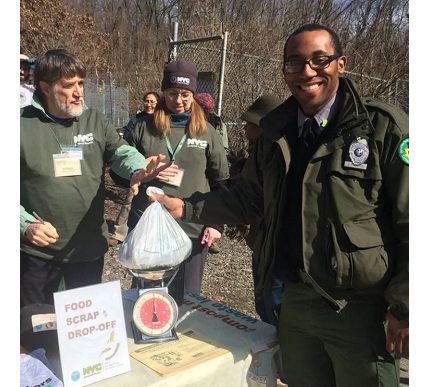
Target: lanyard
[[178, 147], [61, 146]]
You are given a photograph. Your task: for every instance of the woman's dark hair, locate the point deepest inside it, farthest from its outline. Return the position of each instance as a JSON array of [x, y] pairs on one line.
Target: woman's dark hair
[[55, 64], [154, 93]]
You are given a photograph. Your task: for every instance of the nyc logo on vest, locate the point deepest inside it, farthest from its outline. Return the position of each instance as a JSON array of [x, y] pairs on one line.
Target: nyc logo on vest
[[180, 80], [196, 143], [83, 139]]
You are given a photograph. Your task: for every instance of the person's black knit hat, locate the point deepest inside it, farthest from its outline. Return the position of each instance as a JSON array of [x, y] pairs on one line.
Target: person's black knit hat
[[260, 107], [181, 74]]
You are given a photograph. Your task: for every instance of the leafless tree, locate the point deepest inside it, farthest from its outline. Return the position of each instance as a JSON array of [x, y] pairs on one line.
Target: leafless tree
[[130, 38]]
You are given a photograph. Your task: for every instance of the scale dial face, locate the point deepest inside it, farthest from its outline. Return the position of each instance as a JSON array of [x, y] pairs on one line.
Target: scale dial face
[[155, 313]]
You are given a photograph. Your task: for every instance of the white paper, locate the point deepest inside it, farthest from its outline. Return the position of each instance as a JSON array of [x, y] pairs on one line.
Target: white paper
[[91, 333]]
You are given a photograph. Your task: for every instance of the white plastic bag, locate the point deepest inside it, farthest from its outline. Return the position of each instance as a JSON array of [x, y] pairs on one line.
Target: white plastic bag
[[35, 373], [157, 241]]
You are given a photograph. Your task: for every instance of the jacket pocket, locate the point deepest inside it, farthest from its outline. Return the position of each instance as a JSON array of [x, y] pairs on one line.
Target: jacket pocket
[[369, 257], [362, 260]]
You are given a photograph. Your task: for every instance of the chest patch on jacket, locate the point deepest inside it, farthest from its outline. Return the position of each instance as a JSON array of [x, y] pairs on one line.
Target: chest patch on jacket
[[358, 154], [83, 139], [196, 143]]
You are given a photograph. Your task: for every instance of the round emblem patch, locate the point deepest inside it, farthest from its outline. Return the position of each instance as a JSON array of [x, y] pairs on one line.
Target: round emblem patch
[[404, 151]]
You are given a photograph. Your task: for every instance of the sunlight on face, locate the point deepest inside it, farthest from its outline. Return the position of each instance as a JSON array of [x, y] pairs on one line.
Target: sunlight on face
[[177, 100], [149, 103], [65, 99], [313, 88]]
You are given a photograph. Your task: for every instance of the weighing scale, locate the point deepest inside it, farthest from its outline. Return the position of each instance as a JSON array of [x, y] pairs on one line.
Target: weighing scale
[[155, 312]]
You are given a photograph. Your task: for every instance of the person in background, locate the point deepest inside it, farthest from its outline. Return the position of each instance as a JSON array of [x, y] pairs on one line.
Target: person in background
[[206, 101], [329, 180], [150, 100], [120, 228], [26, 90], [267, 305], [178, 129], [64, 147]]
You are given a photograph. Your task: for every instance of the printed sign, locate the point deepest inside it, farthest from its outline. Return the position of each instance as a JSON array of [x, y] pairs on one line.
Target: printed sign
[[91, 333]]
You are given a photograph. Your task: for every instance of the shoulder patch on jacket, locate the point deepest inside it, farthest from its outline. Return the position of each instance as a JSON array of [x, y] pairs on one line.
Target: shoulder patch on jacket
[[403, 151]]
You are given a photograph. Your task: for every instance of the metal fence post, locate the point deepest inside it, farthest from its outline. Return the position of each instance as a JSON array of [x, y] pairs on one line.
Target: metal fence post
[[104, 98], [222, 72], [110, 96], [173, 49]]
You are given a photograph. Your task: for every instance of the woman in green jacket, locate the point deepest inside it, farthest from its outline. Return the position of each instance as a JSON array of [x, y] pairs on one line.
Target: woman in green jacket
[[178, 129]]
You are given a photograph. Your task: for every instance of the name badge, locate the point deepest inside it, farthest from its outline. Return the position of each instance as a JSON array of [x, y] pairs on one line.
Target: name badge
[[66, 165], [177, 179], [71, 150]]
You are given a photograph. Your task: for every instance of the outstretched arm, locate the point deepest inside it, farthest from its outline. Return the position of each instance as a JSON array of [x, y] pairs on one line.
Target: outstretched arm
[[154, 167], [174, 206]]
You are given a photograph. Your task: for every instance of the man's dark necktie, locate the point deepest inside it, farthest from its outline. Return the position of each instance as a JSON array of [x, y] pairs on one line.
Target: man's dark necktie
[[311, 131]]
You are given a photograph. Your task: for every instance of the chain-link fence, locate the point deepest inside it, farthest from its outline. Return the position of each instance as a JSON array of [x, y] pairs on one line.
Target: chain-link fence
[[109, 99], [394, 91], [233, 83], [235, 80], [242, 78]]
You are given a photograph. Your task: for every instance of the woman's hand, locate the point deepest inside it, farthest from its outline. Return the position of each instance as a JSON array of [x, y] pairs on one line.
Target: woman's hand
[[154, 167], [167, 174]]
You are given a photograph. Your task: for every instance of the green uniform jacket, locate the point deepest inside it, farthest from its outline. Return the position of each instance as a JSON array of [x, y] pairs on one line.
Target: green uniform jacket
[[74, 205], [203, 160], [355, 221]]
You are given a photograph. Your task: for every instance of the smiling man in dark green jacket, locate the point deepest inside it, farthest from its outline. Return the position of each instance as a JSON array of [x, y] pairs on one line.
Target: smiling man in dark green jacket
[[329, 178]]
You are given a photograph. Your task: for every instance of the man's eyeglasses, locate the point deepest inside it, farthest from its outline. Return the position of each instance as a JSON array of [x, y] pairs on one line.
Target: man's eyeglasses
[[316, 63], [174, 96]]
